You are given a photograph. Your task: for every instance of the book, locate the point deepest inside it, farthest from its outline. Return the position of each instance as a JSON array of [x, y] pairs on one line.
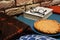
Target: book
[[38, 13]]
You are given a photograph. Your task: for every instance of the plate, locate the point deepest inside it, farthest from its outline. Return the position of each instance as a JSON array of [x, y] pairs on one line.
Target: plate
[[58, 34], [31, 23]]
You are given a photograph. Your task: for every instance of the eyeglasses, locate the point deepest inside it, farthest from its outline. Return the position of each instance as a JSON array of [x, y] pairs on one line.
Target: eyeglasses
[[39, 11]]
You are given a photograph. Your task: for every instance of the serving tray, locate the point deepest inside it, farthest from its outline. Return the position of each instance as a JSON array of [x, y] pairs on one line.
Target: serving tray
[[31, 23]]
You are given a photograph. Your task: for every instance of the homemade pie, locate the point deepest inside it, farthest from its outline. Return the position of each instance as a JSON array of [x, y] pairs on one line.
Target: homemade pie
[[47, 26]]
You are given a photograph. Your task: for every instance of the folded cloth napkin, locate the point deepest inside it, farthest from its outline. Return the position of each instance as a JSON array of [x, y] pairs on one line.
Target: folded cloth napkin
[[35, 37], [56, 9]]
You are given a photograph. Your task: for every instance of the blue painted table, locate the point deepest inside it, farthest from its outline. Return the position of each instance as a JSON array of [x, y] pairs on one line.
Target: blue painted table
[[31, 22]]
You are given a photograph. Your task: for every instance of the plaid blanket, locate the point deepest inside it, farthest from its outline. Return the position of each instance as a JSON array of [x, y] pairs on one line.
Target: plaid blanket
[[10, 27]]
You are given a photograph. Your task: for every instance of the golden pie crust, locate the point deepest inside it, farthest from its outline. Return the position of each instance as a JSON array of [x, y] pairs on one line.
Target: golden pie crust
[[47, 26]]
